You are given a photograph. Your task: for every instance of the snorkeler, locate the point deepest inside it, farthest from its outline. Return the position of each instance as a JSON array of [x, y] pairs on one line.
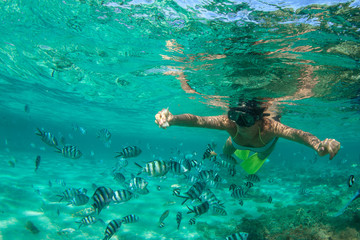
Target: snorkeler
[[251, 128]]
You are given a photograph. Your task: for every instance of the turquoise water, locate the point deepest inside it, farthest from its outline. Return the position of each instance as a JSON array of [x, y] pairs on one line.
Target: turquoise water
[[75, 67]]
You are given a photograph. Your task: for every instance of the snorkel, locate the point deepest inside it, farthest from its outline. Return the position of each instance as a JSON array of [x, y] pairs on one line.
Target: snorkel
[[246, 113]]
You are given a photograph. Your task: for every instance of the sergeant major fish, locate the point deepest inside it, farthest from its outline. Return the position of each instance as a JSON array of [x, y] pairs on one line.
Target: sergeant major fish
[[111, 228], [200, 209], [102, 197], [238, 236], [209, 152], [162, 218], [70, 193], [130, 219], [47, 138], [70, 151], [178, 219], [194, 192], [88, 220], [155, 168], [79, 200], [37, 163], [129, 152], [121, 196]]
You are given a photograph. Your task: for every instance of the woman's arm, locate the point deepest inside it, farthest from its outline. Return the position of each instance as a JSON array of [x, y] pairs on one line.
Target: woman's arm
[[164, 119], [328, 146]]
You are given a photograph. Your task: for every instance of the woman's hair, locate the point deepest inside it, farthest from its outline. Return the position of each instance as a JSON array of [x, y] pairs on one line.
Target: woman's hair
[[253, 106]]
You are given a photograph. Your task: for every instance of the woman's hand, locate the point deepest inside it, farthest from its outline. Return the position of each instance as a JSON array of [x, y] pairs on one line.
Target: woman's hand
[[163, 117], [328, 146]]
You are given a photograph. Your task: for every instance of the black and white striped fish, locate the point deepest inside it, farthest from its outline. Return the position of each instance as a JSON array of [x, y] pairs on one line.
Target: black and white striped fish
[[161, 225], [47, 138], [186, 164], [102, 197], [192, 221], [249, 184], [238, 236], [206, 175], [176, 191], [227, 161], [252, 178], [111, 228], [210, 197], [200, 209], [88, 220], [194, 192], [163, 217], [238, 192], [129, 152], [209, 153], [104, 135], [70, 193], [119, 177], [178, 219], [219, 211], [79, 200], [132, 218], [137, 184], [70, 151], [156, 168], [121, 196], [176, 168]]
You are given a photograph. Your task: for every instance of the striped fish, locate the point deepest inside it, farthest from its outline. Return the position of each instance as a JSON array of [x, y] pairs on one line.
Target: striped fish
[[70, 151], [70, 193], [163, 217], [238, 236], [209, 153], [102, 197], [121, 196], [200, 209], [176, 168], [178, 219], [238, 192], [186, 164], [194, 192], [161, 225], [192, 221], [47, 138], [252, 178], [119, 177], [210, 197], [79, 200], [129, 152], [137, 183], [104, 135], [155, 168], [227, 161], [111, 228], [88, 220], [219, 211], [130, 218]]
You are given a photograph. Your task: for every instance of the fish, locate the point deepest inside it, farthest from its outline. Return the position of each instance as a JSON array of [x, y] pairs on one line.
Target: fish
[[270, 199], [47, 138], [200, 209], [351, 180], [37, 162], [31, 227], [70, 151], [70, 193], [252, 178], [79, 200], [102, 197], [210, 197], [155, 168], [88, 220], [341, 211], [209, 153], [27, 108], [238, 192], [129, 152], [132, 218], [85, 212], [112, 227], [104, 135], [176, 168], [137, 183], [163, 217], [194, 192], [161, 225], [192, 221], [121, 196], [249, 184], [238, 236], [206, 175], [176, 191], [119, 177], [219, 211], [241, 202], [178, 219]]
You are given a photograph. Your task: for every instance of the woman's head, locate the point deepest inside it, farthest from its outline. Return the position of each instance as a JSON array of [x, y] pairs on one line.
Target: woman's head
[[246, 113]]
